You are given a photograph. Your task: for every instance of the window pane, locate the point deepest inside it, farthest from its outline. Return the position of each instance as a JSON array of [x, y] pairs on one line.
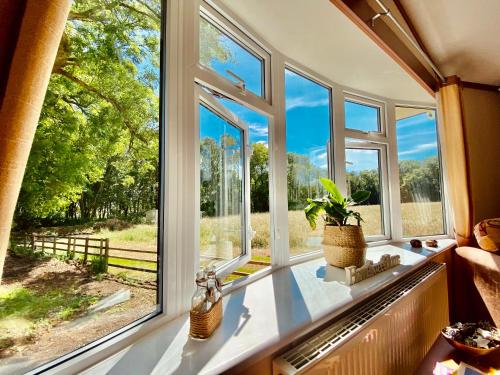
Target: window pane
[[82, 260], [308, 145], [419, 172], [221, 53], [363, 173], [258, 130], [221, 188], [361, 117]]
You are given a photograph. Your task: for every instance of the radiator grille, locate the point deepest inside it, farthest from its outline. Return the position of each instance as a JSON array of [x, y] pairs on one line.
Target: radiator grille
[[323, 342]]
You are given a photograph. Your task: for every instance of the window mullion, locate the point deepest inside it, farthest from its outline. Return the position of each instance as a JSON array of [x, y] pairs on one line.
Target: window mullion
[[393, 173], [278, 166], [339, 139]]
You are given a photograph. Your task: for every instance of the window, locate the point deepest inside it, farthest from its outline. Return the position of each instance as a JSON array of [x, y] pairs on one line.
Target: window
[[222, 189], [422, 210], [362, 116], [83, 260], [229, 58], [308, 146], [234, 187], [260, 220], [363, 170]]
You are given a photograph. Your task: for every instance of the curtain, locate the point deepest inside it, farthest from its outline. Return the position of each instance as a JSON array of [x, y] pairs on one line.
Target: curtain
[[29, 72], [454, 150]]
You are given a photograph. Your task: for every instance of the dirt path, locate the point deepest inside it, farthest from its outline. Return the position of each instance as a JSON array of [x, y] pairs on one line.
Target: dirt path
[[53, 337]]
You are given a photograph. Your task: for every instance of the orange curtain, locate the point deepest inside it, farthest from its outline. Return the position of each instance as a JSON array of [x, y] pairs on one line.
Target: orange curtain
[[453, 146], [35, 51]]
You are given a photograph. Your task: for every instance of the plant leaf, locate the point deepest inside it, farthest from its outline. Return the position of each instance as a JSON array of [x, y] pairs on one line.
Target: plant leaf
[[360, 196], [313, 210], [334, 191]]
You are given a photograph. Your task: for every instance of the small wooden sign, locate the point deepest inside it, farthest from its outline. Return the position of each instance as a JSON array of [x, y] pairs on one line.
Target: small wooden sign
[[356, 274]]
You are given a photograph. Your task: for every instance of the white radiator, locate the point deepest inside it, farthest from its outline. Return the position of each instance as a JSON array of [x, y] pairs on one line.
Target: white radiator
[[389, 334]]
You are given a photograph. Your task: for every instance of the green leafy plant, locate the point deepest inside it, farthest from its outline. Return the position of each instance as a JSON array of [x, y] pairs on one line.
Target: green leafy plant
[[98, 265], [335, 206]]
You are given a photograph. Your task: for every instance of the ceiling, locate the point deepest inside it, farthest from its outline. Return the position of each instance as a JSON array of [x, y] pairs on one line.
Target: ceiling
[[317, 35], [462, 36]]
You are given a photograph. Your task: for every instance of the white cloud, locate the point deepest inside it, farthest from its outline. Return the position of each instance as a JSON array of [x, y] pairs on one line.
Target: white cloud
[[258, 130], [413, 135], [419, 148], [305, 102]]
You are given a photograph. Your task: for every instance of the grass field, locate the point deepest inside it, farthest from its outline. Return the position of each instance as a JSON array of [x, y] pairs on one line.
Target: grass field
[[418, 219], [220, 237]]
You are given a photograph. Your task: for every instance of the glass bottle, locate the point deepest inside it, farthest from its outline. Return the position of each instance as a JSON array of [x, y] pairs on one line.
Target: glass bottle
[[212, 285], [200, 295]]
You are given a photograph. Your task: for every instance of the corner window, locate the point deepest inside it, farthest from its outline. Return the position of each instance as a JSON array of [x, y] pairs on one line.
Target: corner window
[[420, 172], [85, 246], [308, 146]]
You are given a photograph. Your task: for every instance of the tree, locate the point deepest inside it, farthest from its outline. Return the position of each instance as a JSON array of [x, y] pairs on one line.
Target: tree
[[259, 178], [95, 152]]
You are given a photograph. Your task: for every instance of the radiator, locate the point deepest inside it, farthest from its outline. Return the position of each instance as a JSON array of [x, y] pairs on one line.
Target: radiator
[[388, 334]]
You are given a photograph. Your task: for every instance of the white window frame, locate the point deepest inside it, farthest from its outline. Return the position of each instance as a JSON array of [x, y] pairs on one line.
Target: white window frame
[[225, 26], [446, 209], [369, 102], [218, 109], [384, 186], [296, 69]]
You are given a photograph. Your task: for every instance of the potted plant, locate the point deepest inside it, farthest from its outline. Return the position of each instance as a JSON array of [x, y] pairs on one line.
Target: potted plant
[[343, 244]]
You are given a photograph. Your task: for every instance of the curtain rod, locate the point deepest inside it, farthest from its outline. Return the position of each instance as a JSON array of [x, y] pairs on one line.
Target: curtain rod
[[387, 12]]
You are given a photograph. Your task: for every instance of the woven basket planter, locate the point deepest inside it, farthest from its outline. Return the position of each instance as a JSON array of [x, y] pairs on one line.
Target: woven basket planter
[[344, 246], [202, 324]]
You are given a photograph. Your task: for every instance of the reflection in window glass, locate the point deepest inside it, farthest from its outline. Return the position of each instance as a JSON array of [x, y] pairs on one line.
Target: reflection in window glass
[[361, 117], [308, 149], [260, 220], [82, 259], [221, 53], [419, 172], [363, 173], [221, 190]]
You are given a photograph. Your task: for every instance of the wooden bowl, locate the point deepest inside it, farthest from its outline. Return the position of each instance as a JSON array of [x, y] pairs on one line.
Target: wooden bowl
[[469, 349]]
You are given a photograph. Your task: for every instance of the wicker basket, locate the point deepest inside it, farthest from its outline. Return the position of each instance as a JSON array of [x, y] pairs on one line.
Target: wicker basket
[[344, 246], [202, 324]]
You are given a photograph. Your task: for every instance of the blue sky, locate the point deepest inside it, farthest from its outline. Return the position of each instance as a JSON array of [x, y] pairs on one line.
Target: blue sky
[[308, 116]]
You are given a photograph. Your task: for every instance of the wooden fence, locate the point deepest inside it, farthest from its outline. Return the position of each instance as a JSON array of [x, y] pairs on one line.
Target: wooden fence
[[87, 246], [92, 247]]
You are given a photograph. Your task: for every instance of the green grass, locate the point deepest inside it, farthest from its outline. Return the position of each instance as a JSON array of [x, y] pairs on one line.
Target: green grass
[[32, 308], [138, 237]]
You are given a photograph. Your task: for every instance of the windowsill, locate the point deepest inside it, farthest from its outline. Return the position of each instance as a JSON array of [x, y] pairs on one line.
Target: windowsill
[[262, 317]]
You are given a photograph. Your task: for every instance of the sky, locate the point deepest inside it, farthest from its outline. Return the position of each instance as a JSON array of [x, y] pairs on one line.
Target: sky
[[308, 116]]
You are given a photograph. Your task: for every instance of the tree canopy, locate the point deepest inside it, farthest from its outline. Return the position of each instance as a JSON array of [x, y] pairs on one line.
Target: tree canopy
[[95, 152]]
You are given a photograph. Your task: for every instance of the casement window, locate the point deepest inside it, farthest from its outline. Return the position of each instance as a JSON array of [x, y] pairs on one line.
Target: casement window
[[366, 162], [420, 171], [224, 49], [366, 169], [363, 115], [234, 208], [225, 228]]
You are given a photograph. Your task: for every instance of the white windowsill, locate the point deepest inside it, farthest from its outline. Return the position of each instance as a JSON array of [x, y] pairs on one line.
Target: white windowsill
[[261, 317]]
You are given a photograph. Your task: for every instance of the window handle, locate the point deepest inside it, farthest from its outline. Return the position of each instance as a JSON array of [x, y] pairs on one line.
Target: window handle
[[241, 82]]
